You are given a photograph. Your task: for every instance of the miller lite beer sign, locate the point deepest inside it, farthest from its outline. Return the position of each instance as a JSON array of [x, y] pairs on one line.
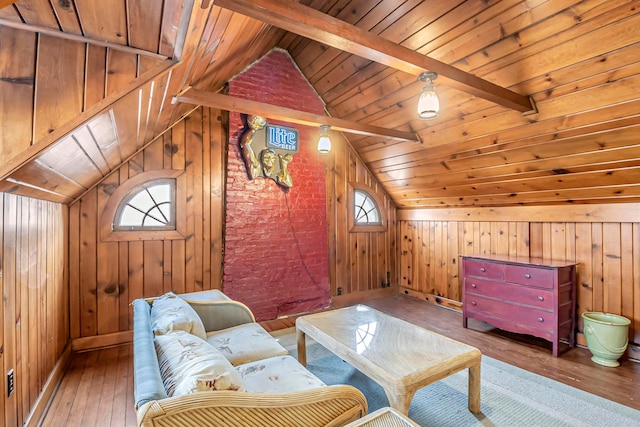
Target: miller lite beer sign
[[267, 150], [283, 138]]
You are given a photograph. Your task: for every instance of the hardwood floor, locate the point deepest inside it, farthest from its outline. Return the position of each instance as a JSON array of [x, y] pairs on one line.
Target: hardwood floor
[[573, 366], [97, 389]]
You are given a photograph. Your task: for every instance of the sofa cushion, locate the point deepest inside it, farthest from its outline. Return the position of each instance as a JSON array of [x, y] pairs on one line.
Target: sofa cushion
[[282, 374], [171, 313], [189, 364], [245, 343]]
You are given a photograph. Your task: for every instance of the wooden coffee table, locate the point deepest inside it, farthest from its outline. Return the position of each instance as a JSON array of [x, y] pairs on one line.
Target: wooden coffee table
[[398, 355]]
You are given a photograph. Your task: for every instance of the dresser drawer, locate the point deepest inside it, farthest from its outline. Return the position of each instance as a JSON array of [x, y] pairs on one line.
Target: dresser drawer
[[531, 276], [508, 313], [488, 270], [520, 295]]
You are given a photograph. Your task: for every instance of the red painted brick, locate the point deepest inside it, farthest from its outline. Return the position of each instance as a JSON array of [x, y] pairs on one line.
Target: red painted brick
[[276, 258]]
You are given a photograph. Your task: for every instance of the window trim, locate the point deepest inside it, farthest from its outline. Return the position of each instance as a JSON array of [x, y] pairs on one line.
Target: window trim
[[360, 228], [108, 217]]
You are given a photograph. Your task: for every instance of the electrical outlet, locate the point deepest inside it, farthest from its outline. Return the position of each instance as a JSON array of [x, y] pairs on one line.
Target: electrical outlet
[[10, 383]]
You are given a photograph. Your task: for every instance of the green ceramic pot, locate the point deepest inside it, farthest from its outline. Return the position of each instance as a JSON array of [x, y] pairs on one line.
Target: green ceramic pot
[[607, 336]]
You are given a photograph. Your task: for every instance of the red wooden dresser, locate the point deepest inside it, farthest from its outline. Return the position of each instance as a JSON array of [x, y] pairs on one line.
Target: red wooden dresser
[[523, 295]]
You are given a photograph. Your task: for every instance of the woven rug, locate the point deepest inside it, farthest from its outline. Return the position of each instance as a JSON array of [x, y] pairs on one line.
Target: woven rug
[[510, 396]]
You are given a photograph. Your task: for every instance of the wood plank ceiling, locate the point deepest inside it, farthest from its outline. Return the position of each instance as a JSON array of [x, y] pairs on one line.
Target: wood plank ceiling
[[86, 84]]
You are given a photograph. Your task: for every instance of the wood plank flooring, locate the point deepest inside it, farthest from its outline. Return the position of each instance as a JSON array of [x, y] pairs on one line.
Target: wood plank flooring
[[573, 366], [97, 388]]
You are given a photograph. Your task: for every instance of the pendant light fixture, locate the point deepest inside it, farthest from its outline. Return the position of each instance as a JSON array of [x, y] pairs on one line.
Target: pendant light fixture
[[428, 104], [324, 143]]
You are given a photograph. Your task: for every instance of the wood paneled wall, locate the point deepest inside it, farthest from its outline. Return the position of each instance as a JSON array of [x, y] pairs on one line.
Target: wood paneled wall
[[603, 239], [34, 316], [53, 81], [106, 276], [358, 262]]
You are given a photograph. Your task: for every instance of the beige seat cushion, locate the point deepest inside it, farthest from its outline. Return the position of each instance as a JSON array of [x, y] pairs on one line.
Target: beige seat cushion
[[189, 364], [245, 343], [171, 313], [282, 374]]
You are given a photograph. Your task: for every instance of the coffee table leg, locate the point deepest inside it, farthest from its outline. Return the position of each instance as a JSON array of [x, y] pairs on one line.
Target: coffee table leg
[[474, 388], [401, 402], [302, 347]]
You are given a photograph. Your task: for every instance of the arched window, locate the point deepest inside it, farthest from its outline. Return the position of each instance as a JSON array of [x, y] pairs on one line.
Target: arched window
[[366, 210], [150, 206], [366, 213]]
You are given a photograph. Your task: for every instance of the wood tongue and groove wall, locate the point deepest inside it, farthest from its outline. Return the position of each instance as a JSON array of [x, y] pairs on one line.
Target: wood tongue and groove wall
[[361, 264], [46, 83], [603, 240], [48, 91], [105, 276], [34, 314], [54, 81]]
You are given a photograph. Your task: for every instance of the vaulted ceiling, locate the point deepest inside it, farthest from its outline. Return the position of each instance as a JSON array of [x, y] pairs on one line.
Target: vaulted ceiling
[[539, 99]]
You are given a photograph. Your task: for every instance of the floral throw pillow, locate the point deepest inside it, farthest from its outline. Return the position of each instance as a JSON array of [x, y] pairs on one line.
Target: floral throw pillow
[[171, 313], [189, 364]]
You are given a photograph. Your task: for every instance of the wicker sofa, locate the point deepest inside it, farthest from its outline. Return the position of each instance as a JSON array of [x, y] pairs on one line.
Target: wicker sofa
[[301, 399]]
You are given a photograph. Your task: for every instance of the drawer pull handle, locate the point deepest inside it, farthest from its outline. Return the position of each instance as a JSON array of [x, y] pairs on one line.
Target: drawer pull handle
[[483, 269], [473, 303], [473, 285], [540, 298], [540, 319], [527, 276]]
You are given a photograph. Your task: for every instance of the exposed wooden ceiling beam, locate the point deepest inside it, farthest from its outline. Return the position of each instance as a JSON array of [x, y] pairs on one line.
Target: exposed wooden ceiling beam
[[70, 36], [315, 25], [239, 105]]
